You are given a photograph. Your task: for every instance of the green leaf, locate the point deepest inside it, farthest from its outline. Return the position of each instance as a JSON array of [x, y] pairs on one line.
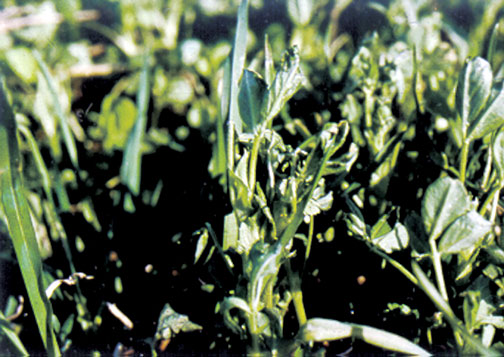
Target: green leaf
[[230, 232], [380, 228], [17, 214], [201, 245], [132, 158], [7, 331], [252, 88], [466, 232], [396, 239], [490, 118], [68, 137], [319, 330], [287, 82], [228, 304], [473, 90], [22, 62], [444, 201], [238, 63]]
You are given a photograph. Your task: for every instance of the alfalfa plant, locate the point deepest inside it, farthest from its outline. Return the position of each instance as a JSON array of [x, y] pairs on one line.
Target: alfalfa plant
[[269, 208]]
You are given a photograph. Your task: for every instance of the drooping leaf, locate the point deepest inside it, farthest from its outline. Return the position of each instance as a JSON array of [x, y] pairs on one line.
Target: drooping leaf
[[228, 304], [287, 82], [252, 88], [491, 117], [132, 158], [238, 63], [16, 210], [466, 232], [319, 330], [396, 239], [473, 90], [444, 201]]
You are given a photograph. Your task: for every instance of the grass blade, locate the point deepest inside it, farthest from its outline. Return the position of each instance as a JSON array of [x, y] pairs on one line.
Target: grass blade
[[132, 159], [238, 63], [20, 227], [63, 121]]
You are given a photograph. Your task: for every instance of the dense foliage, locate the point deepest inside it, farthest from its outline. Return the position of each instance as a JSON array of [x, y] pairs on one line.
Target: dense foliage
[[286, 176]]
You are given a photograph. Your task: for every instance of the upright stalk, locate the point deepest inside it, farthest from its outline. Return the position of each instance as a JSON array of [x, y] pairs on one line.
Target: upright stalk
[[438, 269], [463, 161]]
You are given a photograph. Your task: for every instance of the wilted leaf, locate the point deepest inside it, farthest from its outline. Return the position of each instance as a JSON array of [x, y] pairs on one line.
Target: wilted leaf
[[466, 232], [171, 323], [444, 201], [473, 90], [287, 82], [319, 330], [396, 239]]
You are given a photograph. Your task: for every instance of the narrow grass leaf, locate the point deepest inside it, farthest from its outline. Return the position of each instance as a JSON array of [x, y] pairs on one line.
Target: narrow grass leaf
[[444, 201], [269, 65], [238, 63], [20, 226], [68, 137], [132, 158], [319, 330]]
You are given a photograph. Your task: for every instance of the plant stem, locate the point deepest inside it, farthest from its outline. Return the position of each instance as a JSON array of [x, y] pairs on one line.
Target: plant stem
[[438, 269], [253, 162], [396, 265], [495, 191], [488, 169], [310, 238], [297, 294], [495, 203], [463, 161]]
